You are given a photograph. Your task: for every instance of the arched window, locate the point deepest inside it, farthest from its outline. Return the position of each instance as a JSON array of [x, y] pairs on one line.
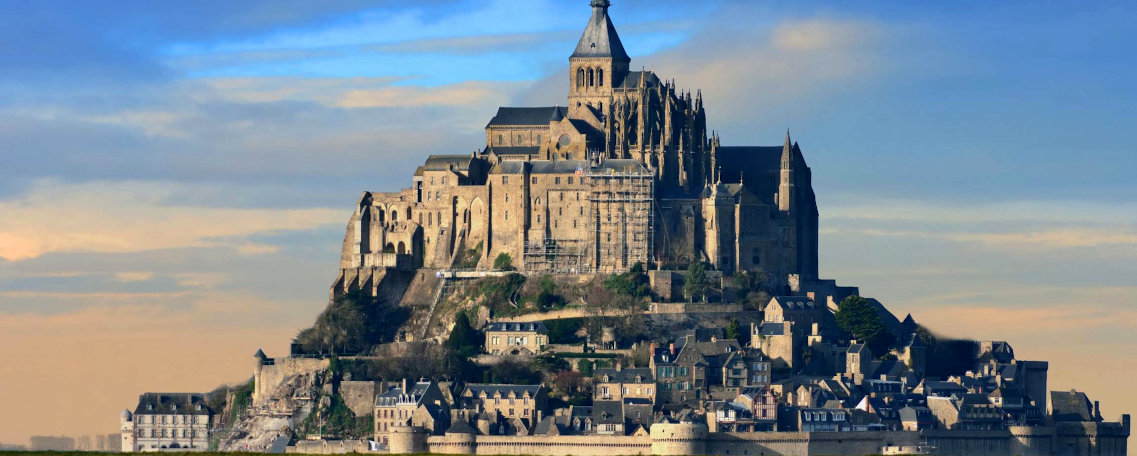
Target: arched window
[[591, 78], [429, 219], [538, 140], [499, 140], [394, 214], [518, 140], [580, 77], [408, 214], [600, 77]]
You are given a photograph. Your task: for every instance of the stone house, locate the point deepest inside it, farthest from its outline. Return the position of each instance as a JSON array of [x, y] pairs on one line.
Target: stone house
[[812, 419], [421, 404], [916, 418], [619, 383], [167, 422], [524, 402], [515, 338], [687, 369]]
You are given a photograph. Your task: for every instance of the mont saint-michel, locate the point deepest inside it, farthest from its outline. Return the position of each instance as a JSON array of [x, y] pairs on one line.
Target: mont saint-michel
[[608, 275]]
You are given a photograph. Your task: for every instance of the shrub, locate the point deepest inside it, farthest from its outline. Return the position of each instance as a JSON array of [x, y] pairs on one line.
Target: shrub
[[503, 262]]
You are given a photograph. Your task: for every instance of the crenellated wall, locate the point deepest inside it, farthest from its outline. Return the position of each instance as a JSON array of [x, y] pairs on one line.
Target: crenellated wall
[[666, 439]]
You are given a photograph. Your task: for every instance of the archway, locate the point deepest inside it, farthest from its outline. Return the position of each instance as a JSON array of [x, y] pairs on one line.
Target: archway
[[389, 248], [402, 248]]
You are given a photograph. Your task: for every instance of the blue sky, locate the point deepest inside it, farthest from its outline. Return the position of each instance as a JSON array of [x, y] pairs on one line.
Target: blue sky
[[176, 175]]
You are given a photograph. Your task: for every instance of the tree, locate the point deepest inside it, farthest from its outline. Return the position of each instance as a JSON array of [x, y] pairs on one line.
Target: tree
[[503, 262], [353, 323], [548, 298], [585, 367], [859, 317], [464, 339], [696, 283], [732, 330], [567, 382]]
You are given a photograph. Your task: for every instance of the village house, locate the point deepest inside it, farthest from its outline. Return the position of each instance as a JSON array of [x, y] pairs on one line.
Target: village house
[[516, 338]]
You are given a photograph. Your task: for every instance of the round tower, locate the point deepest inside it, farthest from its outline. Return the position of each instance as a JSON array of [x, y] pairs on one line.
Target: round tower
[[676, 439], [405, 439]]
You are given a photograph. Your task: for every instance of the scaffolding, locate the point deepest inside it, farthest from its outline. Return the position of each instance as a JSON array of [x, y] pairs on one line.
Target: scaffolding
[[557, 256], [621, 221]]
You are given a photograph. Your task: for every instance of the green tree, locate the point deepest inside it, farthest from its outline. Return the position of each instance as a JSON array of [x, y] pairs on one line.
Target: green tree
[[503, 262], [353, 323], [696, 283], [464, 339], [733, 331], [585, 367], [547, 297], [859, 317]]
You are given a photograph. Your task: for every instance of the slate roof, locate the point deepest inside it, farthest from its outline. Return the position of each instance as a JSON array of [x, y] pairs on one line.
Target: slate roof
[[758, 167], [492, 389], [394, 395], [514, 150], [599, 38], [630, 375], [1071, 406], [608, 412], [538, 326], [529, 116], [172, 404], [446, 162], [461, 427], [772, 329], [558, 166], [632, 80]]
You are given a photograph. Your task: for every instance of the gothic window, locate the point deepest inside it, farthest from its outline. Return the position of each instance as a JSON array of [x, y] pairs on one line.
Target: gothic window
[[600, 80], [429, 219], [518, 140], [537, 201], [538, 140], [499, 140], [580, 77], [591, 78], [438, 217]]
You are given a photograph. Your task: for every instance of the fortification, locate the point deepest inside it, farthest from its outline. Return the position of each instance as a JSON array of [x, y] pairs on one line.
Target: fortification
[[673, 439]]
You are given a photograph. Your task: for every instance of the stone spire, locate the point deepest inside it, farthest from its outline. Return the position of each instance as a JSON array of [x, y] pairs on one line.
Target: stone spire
[[786, 179]]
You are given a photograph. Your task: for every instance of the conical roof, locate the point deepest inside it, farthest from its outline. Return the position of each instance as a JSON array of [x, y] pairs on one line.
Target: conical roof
[[599, 38]]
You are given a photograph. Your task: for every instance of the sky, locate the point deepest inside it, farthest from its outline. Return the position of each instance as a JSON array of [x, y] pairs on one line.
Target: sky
[[175, 177]]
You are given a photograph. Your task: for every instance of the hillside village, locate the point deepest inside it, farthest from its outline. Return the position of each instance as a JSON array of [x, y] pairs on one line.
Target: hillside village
[[606, 277]]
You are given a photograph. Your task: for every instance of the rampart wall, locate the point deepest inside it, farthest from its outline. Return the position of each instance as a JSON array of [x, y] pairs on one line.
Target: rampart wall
[[1068, 439]]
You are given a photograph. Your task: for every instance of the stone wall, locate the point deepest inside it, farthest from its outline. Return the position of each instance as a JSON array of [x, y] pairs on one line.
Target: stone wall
[[1074, 439], [268, 377], [329, 447], [359, 396]]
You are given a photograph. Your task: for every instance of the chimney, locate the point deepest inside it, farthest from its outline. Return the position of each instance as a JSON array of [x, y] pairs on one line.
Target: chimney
[[672, 348], [619, 366], [1097, 410], [404, 385]]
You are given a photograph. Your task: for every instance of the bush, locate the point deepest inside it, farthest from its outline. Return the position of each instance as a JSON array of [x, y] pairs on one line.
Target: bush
[[548, 298], [351, 324], [632, 283], [585, 367], [503, 262]]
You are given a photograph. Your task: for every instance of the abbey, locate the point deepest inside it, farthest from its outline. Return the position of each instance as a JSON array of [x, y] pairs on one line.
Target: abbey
[[626, 172]]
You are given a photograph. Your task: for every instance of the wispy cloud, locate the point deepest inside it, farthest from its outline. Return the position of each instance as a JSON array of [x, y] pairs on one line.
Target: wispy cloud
[[130, 216]]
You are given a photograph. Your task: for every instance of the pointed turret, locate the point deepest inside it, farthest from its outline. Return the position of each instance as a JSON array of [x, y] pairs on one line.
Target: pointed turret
[[786, 181], [599, 38]]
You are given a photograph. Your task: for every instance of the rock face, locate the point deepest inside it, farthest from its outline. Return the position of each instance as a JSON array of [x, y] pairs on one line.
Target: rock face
[[284, 393]]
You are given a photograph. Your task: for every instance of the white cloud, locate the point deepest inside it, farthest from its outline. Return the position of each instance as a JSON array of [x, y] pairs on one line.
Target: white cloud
[[130, 216]]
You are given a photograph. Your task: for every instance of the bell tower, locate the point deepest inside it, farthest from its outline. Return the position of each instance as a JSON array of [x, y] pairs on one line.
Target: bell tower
[[598, 63]]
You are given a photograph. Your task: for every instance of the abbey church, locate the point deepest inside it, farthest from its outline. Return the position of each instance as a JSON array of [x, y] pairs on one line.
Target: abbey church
[[626, 172]]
